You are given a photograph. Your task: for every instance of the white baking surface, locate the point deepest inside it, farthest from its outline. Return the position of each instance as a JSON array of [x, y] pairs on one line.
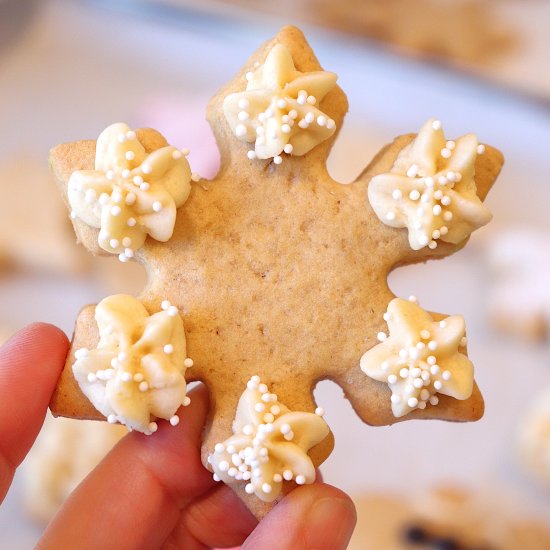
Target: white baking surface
[[76, 69]]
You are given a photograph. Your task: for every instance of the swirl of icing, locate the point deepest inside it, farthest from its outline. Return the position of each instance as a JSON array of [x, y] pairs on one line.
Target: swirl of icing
[[130, 194], [137, 372], [278, 112], [431, 189], [269, 444], [420, 358]]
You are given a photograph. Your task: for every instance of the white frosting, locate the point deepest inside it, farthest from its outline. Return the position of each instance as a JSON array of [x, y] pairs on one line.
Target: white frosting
[[269, 445], [137, 372], [420, 358], [279, 111], [431, 190], [130, 194]]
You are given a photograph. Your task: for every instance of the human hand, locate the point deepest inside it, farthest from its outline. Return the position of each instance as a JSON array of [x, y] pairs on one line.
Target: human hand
[[151, 491]]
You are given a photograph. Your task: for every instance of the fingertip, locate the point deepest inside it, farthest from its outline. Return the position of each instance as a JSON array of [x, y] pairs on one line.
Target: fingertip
[[316, 516], [170, 447], [37, 334], [30, 364]]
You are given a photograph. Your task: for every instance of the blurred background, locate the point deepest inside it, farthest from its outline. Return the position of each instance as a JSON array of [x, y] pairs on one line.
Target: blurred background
[[69, 69]]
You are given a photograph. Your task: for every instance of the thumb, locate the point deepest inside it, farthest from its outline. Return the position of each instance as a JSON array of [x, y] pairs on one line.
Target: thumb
[[313, 517]]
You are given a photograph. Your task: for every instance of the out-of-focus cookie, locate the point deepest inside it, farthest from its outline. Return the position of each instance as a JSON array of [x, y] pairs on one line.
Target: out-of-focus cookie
[[272, 276], [447, 517], [534, 439], [34, 230], [519, 293], [408, 25], [65, 452]]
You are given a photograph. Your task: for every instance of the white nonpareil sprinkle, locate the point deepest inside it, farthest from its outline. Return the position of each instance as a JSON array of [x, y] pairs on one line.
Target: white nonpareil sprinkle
[[175, 420], [412, 171], [172, 311], [81, 353]]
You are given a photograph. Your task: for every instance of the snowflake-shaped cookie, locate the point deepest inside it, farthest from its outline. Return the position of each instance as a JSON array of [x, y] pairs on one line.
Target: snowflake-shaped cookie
[[278, 270]]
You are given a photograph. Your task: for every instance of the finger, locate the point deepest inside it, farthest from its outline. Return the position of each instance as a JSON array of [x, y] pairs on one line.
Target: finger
[[133, 499], [221, 508], [316, 516], [30, 364]]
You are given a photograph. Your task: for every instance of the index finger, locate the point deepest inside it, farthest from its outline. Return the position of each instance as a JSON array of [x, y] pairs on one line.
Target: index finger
[[30, 364]]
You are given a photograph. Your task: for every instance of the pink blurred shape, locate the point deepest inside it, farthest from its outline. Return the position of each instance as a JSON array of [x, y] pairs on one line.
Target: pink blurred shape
[[182, 121]]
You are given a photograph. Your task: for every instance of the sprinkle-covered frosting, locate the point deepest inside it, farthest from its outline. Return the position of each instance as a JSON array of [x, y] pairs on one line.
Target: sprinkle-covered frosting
[[137, 372], [431, 189], [279, 111], [269, 445], [130, 194], [420, 358]]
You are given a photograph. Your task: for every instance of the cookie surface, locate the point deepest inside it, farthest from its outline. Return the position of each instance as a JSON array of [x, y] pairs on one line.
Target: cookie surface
[[277, 270]]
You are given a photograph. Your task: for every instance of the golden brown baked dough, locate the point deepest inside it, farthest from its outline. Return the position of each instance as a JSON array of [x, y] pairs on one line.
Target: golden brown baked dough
[[277, 271]]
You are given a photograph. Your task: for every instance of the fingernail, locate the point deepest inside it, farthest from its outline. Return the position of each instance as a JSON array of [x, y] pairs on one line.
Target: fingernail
[[330, 524]]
